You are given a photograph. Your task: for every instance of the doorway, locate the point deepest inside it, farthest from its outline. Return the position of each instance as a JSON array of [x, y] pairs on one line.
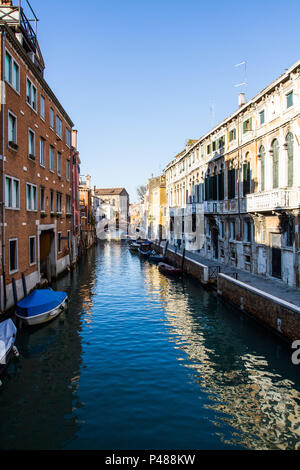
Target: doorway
[[215, 242], [46, 254], [276, 254]]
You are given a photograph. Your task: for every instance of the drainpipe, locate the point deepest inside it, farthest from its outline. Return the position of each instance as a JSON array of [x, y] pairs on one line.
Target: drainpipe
[[3, 35]]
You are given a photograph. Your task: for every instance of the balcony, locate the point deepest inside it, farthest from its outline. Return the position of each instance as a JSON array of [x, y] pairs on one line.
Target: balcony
[[274, 199], [229, 206]]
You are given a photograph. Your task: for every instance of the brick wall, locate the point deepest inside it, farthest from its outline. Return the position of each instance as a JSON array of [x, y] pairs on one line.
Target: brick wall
[[273, 312]]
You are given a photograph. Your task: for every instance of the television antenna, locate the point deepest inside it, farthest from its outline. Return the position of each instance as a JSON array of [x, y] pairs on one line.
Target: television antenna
[[244, 83]]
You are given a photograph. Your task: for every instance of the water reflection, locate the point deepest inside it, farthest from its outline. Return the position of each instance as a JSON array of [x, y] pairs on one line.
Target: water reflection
[[249, 391], [39, 401], [142, 361]]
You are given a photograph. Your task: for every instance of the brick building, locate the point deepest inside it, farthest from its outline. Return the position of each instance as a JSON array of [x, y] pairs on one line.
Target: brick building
[[36, 216]]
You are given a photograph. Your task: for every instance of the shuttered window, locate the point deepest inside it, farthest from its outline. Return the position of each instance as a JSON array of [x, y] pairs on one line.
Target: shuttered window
[[275, 148], [246, 178], [290, 151], [231, 183], [262, 155]]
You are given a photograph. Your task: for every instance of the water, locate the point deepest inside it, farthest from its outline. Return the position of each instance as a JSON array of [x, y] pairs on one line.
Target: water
[[141, 361]]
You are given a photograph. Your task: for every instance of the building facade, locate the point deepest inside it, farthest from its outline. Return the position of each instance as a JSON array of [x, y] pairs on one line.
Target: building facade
[[36, 216], [156, 208], [117, 199], [234, 194]]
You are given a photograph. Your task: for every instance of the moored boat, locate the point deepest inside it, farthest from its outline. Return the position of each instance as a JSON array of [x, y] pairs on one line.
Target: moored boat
[[156, 258], [134, 246], [41, 306], [144, 253], [169, 270], [8, 350]]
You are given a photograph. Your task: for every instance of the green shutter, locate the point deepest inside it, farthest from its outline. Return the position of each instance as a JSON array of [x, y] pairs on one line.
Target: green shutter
[[275, 164], [290, 150]]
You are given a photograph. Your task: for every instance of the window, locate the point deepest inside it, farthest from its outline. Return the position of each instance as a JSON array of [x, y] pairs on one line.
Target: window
[[221, 229], [31, 144], [289, 99], [31, 197], [247, 231], [247, 125], [59, 242], [12, 72], [51, 201], [246, 178], [275, 150], [42, 202], [13, 256], [231, 183], [42, 107], [51, 118], [68, 138], [51, 158], [68, 170], [69, 239], [58, 164], [31, 94], [42, 152], [232, 135], [12, 130], [262, 155], [32, 251], [12, 193], [209, 149], [262, 117], [58, 126], [214, 145], [290, 152], [221, 143], [68, 204], [232, 230], [59, 203]]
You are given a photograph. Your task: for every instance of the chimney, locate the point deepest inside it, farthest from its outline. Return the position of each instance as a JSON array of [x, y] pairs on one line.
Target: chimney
[[242, 100], [88, 181], [74, 138]]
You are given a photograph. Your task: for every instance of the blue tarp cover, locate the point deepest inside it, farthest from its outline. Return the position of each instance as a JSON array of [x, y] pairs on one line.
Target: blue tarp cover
[[40, 301]]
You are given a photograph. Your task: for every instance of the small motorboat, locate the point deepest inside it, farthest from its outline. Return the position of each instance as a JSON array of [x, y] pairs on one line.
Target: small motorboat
[[41, 306], [169, 270], [156, 258], [134, 247], [8, 350]]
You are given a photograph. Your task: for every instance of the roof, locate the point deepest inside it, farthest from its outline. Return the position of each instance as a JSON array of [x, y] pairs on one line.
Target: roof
[[110, 191]]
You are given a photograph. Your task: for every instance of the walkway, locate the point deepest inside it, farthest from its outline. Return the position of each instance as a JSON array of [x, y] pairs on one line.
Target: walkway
[[271, 286]]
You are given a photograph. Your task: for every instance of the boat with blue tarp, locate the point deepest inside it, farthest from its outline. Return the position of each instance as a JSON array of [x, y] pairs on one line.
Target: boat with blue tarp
[[41, 306]]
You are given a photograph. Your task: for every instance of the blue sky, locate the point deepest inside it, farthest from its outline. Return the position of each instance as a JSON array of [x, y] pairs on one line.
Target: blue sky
[[138, 78]]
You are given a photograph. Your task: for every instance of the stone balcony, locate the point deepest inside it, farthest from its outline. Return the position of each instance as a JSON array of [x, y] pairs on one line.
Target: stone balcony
[[274, 199], [229, 206]]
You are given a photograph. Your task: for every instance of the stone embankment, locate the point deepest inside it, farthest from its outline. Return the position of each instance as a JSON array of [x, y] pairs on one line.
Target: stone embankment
[[271, 302]]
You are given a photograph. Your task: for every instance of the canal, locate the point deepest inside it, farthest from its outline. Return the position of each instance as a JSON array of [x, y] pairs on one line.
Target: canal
[[141, 361]]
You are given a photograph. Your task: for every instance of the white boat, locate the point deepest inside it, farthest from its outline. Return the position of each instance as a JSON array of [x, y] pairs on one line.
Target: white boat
[[8, 350], [41, 306]]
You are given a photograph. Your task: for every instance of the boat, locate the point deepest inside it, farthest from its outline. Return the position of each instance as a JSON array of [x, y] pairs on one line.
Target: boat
[[169, 270], [143, 253], [155, 257], [134, 246], [41, 306], [8, 350]]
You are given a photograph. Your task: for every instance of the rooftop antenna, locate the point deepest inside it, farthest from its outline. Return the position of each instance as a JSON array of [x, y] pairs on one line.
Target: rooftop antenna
[[245, 84]]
